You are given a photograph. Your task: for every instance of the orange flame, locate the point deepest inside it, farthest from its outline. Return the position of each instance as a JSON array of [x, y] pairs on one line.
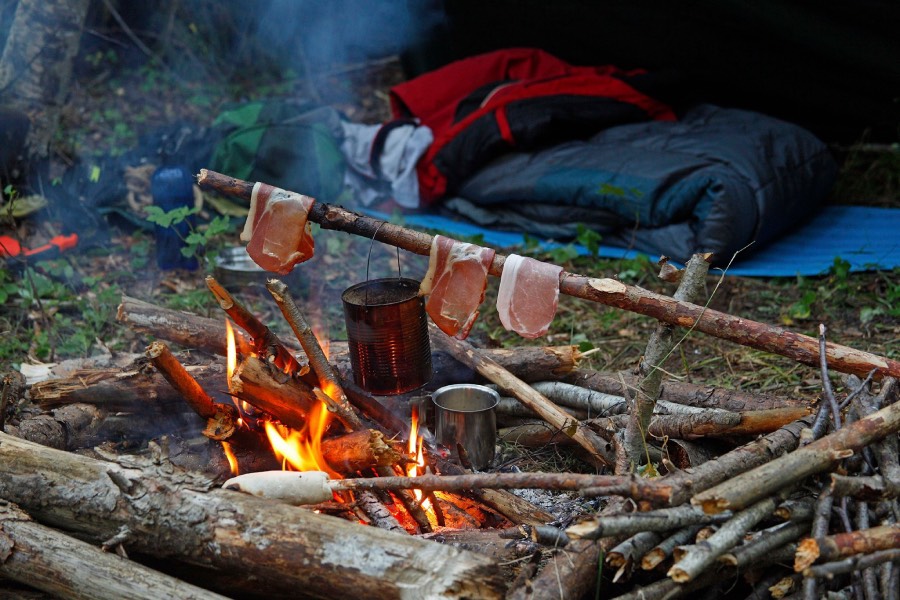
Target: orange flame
[[232, 459], [301, 450], [415, 449], [230, 352]]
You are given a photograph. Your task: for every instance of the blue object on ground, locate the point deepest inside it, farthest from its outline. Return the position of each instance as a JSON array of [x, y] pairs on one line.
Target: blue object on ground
[[172, 187], [866, 237]]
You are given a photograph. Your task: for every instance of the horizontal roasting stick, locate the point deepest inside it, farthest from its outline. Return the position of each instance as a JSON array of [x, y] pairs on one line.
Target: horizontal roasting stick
[[605, 291]]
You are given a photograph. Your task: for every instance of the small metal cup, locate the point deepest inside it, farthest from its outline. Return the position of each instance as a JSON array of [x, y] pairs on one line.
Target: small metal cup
[[464, 414]]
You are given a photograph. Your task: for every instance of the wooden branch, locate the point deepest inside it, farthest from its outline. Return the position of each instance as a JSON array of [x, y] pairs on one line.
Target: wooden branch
[[870, 489], [664, 549], [690, 561], [380, 516], [129, 389], [174, 514], [853, 564], [183, 328], [269, 389], [221, 418], [664, 519], [701, 396], [630, 552], [488, 368], [358, 451], [659, 347], [769, 540], [677, 488], [609, 292], [816, 457], [50, 561], [335, 398], [843, 545], [265, 342]]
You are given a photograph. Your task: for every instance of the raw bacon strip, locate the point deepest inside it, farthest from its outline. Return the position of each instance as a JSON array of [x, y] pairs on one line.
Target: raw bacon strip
[[455, 284], [528, 295], [277, 228]]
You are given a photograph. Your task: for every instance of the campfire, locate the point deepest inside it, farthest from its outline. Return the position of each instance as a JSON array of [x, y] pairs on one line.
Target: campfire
[[309, 483]]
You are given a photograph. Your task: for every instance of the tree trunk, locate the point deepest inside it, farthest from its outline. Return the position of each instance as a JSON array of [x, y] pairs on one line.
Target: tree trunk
[[36, 65]]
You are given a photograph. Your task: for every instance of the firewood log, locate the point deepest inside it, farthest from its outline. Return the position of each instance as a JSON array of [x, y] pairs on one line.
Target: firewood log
[[175, 514]]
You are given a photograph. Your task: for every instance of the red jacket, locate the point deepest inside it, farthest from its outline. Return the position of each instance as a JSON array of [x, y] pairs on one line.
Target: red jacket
[[518, 99]]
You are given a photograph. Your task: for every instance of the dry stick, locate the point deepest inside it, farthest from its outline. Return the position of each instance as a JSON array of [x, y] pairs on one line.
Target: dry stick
[[871, 488], [317, 359], [680, 392], [555, 416], [664, 519], [660, 346], [605, 291], [624, 485], [677, 488], [826, 381], [63, 566], [221, 418], [751, 486], [629, 552], [690, 561], [769, 540], [842, 545], [664, 549], [869, 578], [854, 564], [265, 341]]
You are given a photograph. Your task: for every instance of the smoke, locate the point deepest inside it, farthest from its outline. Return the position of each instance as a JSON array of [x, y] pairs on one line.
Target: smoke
[[332, 33]]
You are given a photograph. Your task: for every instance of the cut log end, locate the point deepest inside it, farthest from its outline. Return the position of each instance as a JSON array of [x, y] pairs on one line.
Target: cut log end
[[711, 505], [807, 553]]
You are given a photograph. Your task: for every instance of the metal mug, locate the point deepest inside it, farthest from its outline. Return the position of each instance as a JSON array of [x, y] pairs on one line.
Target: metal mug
[[464, 414]]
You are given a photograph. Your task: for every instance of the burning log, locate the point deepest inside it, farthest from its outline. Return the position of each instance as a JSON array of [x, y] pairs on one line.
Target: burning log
[[610, 292], [359, 451], [180, 516], [328, 380], [221, 418], [814, 458], [269, 389], [265, 342], [55, 563]]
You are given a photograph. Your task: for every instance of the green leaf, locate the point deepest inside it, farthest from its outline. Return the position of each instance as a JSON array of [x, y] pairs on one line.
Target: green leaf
[[589, 238], [95, 174], [563, 254]]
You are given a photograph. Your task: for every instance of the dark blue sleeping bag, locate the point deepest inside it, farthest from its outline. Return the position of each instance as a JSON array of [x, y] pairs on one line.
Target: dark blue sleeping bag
[[714, 181]]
